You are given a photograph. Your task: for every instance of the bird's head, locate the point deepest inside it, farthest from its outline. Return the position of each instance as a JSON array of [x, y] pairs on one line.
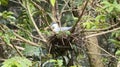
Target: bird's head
[[54, 25]]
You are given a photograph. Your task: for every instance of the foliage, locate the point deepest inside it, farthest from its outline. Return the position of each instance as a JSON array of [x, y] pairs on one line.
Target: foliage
[[4, 2], [17, 62], [28, 15], [52, 2], [96, 23], [57, 63], [113, 40], [30, 50], [111, 7], [7, 16], [117, 53]]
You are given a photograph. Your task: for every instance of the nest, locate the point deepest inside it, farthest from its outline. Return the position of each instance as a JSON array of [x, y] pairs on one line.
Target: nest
[[60, 44]]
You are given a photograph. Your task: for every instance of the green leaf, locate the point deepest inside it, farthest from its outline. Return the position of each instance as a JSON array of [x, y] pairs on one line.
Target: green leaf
[[73, 66], [100, 17], [52, 60], [75, 18], [17, 62], [7, 38], [67, 32], [117, 7], [11, 17], [105, 3], [60, 62], [117, 43], [115, 34], [117, 53], [0, 14], [31, 50], [88, 25], [110, 9], [4, 2], [52, 2], [1, 33]]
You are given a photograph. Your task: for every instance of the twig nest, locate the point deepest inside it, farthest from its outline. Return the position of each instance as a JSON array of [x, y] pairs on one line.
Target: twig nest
[[60, 43]]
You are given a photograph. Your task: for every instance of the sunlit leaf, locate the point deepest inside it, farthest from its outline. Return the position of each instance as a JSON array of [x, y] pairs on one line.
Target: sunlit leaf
[[52, 2], [4, 2], [110, 9], [117, 43], [52, 60], [0, 14], [7, 38], [60, 62], [17, 62], [73, 66], [67, 32], [117, 53], [88, 25], [100, 17], [1, 33], [31, 50]]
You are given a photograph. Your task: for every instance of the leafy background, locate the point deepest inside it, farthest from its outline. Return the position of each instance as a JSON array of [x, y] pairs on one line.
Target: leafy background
[[25, 32]]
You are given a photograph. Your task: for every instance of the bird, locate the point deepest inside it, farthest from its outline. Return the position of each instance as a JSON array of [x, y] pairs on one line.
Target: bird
[[56, 28]]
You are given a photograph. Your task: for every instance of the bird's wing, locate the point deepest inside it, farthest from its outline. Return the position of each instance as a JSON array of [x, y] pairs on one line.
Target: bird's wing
[[65, 28]]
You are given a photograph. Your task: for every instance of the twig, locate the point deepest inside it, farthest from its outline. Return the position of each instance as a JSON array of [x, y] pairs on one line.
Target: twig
[[21, 4], [1, 59], [39, 7], [2, 43], [62, 10], [25, 40], [104, 29], [17, 50], [9, 45], [20, 48], [13, 46], [98, 54], [43, 11], [71, 10], [29, 33], [31, 18], [103, 50], [101, 33], [79, 18]]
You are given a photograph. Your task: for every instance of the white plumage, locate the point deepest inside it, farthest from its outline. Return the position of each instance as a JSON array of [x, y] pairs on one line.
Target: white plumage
[[56, 28]]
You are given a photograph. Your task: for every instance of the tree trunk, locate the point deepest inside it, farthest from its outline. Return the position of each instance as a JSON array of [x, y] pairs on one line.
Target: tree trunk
[[94, 52]]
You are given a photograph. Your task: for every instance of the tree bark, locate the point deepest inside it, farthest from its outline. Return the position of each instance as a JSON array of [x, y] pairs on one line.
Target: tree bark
[[94, 52]]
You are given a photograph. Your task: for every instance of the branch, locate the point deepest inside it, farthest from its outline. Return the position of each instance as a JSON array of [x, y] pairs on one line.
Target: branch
[[18, 47], [79, 18], [31, 18], [62, 10], [17, 50], [28, 33], [25, 40], [104, 29], [101, 33]]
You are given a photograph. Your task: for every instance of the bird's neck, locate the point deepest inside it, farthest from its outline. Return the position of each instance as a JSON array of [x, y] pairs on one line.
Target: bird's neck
[[56, 26]]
